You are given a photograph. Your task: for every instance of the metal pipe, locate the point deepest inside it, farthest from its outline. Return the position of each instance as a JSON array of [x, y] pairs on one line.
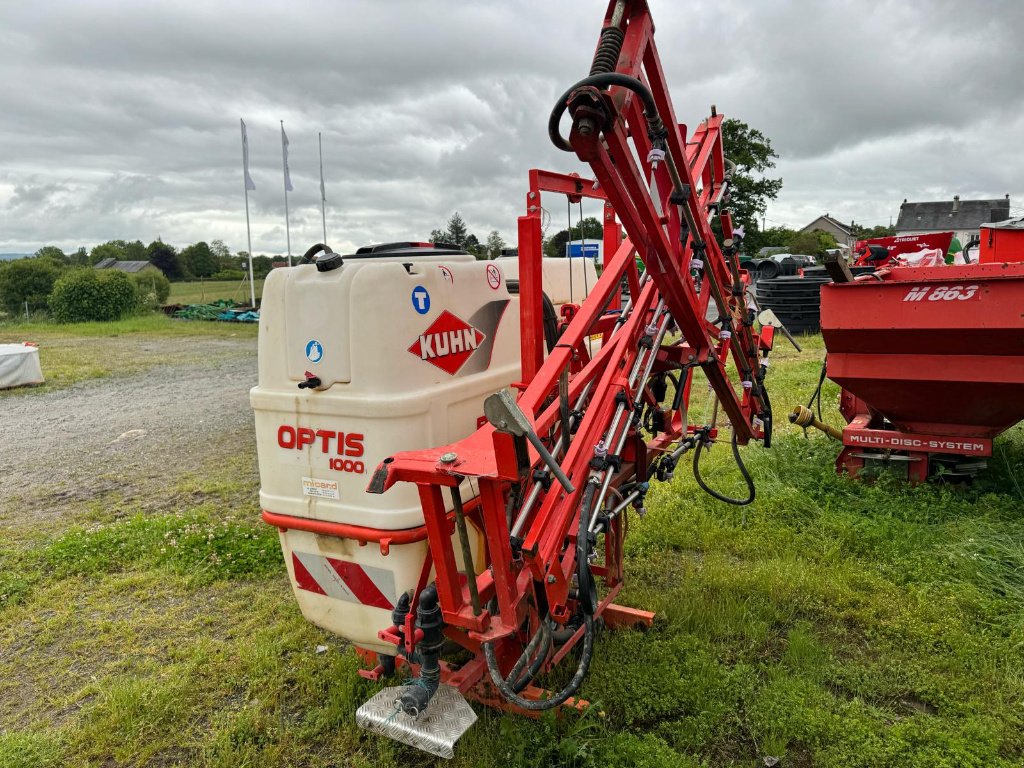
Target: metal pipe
[[653, 353], [467, 552]]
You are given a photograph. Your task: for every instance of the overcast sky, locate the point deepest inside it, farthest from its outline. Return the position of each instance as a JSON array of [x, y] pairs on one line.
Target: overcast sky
[[120, 119]]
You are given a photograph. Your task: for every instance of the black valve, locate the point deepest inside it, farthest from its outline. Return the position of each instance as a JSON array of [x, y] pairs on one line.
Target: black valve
[[311, 382]]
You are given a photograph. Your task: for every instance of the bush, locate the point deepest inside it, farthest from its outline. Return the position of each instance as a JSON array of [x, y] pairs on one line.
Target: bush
[[151, 288], [88, 294], [228, 274], [28, 280]]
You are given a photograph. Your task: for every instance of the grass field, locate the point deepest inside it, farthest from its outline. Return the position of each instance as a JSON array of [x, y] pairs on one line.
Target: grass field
[[207, 291], [834, 624], [76, 352]]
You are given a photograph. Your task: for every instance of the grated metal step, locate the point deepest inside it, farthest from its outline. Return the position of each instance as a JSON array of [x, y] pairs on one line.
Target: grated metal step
[[436, 730]]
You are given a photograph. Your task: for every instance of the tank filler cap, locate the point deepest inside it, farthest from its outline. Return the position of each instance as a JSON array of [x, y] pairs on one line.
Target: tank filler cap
[[329, 261]]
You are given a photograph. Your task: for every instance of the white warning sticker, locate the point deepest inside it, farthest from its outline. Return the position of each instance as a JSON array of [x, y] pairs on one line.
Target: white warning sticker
[[321, 489]]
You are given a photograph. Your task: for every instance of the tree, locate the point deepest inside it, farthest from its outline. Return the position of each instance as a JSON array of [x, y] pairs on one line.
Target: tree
[[122, 250], [752, 153], [261, 266], [165, 258], [104, 251], [199, 260], [473, 245], [773, 237], [225, 261], [80, 258], [589, 228], [880, 230], [555, 246], [28, 280], [134, 251], [813, 243], [219, 249], [494, 245], [457, 232], [53, 253]]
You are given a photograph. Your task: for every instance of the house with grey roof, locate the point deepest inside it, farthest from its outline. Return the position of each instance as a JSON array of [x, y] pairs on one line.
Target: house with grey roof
[[962, 217], [130, 267], [843, 233]]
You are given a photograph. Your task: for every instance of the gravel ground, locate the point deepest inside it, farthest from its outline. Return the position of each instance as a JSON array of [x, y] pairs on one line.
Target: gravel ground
[[114, 434]]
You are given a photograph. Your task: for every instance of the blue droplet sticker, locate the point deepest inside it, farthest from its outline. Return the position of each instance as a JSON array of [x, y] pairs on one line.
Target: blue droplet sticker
[[420, 299], [314, 351]]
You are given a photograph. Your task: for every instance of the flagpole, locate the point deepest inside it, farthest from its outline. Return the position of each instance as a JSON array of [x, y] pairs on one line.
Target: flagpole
[[323, 194], [248, 228], [284, 169]]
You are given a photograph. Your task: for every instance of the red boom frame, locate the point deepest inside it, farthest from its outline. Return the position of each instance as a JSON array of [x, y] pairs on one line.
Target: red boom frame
[[532, 572]]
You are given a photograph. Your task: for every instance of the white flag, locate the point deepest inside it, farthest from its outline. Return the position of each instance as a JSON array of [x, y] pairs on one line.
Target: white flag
[[323, 192], [284, 155], [249, 183]]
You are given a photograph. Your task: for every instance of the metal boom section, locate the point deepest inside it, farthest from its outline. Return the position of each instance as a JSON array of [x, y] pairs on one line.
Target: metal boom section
[[604, 416]]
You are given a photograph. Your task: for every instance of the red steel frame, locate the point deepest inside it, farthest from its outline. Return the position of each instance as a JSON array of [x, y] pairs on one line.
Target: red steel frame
[[539, 570]]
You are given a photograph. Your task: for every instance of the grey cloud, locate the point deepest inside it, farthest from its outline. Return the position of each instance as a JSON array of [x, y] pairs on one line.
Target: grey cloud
[[121, 118]]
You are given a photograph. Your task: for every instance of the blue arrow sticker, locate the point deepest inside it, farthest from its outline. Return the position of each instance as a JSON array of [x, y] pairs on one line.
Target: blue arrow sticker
[[420, 299]]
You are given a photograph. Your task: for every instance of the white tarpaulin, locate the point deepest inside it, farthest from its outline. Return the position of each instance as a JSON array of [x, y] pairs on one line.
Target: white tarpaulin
[[19, 365]]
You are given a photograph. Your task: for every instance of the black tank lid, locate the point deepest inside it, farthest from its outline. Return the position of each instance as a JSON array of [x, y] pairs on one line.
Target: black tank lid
[[407, 249]]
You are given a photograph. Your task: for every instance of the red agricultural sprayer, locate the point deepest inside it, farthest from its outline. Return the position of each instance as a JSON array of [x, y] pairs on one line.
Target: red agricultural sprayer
[[450, 448]]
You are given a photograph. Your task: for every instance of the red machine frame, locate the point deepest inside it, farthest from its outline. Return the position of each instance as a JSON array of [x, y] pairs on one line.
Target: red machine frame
[[665, 189], [928, 364]]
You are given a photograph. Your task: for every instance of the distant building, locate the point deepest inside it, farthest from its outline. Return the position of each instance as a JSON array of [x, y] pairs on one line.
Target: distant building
[[962, 217], [591, 249], [127, 266], [843, 233]]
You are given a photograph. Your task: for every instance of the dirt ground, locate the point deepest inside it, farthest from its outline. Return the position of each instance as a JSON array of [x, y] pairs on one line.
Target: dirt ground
[[119, 434]]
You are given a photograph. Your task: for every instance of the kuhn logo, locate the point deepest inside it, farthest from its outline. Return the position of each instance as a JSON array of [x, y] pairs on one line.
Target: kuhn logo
[[448, 343]]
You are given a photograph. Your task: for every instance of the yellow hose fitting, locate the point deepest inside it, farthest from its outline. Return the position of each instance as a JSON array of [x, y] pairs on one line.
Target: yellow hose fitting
[[803, 416]]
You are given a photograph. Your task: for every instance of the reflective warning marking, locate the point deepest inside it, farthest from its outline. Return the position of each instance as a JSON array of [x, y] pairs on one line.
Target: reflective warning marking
[[343, 580]]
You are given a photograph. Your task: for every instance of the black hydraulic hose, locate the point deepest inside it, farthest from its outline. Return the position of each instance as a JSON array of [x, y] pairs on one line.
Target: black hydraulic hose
[[817, 390], [767, 416], [739, 463], [539, 705], [307, 257], [604, 79], [974, 241], [543, 640], [525, 670]]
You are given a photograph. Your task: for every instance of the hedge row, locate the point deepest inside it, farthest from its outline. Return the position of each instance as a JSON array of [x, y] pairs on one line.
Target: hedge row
[[79, 294]]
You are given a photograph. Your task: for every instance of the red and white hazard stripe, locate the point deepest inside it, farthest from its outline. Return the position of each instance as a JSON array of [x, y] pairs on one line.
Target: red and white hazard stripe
[[343, 580]]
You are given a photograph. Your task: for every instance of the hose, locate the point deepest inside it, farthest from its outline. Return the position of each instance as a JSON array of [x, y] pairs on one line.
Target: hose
[[499, 680], [543, 635], [766, 415], [974, 241], [739, 463], [604, 79], [307, 257]]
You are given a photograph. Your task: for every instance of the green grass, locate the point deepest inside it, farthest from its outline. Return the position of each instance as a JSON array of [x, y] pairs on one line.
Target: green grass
[[835, 624], [80, 351], [207, 291]]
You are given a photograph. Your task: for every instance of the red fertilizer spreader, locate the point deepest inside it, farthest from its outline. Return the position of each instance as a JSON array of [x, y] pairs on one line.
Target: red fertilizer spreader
[[930, 359]]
